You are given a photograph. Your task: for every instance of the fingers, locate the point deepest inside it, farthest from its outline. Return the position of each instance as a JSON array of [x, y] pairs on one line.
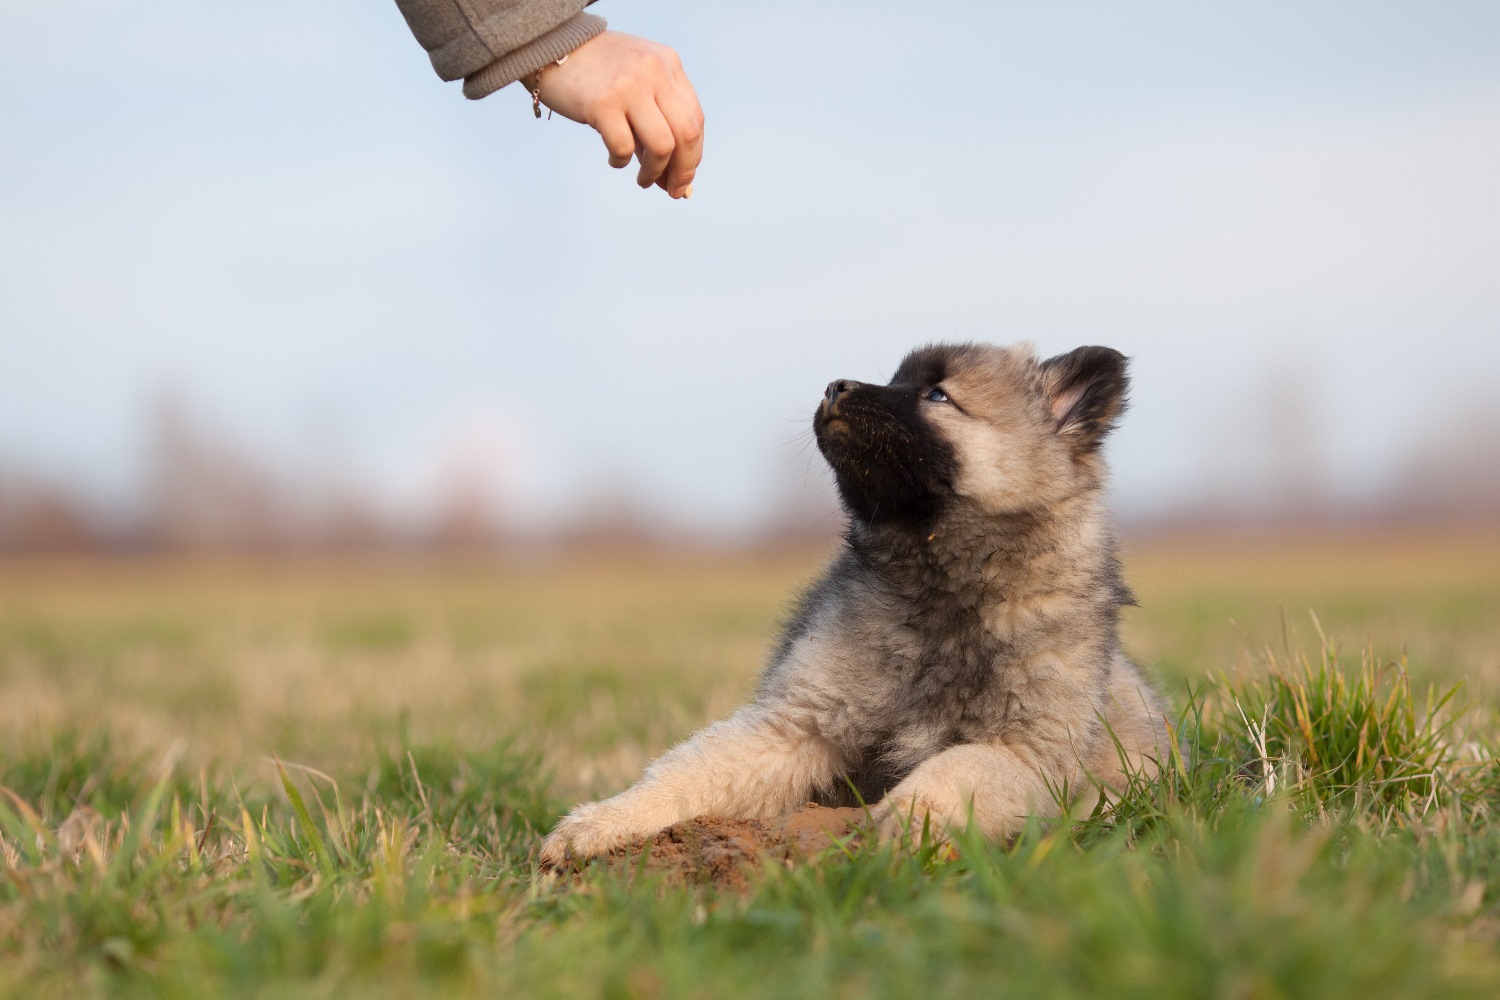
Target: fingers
[[654, 142], [669, 151], [685, 118], [635, 93], [614, 129]]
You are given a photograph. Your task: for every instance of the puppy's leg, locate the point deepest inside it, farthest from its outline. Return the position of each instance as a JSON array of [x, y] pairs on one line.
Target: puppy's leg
[[1137, 724], [755, 763], [1000, 784]]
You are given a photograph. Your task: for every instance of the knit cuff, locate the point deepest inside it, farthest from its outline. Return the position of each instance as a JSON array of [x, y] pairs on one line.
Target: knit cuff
[[533, 55]]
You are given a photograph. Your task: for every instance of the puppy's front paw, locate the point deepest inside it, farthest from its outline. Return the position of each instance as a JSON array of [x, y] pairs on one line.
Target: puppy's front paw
[[586, 832], [910, 820]]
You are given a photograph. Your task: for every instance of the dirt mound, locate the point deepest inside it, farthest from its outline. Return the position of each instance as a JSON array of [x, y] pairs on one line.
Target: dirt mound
[[719, 852]]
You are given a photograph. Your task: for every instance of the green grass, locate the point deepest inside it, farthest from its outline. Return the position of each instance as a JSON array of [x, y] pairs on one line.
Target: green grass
[[362, 821]]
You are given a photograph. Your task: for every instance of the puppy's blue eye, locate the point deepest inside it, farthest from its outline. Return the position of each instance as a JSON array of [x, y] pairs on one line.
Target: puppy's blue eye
[[935, 395]]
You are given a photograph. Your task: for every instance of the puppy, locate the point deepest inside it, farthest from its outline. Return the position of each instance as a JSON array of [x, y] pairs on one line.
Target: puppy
[[959, 661]]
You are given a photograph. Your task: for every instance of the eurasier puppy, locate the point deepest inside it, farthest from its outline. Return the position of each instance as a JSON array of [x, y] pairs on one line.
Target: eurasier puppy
[[959, 660]]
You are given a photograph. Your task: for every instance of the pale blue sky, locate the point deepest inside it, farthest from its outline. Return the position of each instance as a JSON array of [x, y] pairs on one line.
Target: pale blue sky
[[279, 213]]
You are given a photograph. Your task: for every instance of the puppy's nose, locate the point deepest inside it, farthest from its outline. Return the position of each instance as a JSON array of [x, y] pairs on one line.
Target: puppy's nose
[[837, 388]]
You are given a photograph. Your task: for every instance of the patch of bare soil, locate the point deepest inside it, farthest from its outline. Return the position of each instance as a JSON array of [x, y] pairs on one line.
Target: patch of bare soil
[[722, 852]]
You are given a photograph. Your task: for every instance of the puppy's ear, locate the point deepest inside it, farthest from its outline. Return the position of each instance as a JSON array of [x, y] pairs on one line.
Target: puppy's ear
[[1085, 390]]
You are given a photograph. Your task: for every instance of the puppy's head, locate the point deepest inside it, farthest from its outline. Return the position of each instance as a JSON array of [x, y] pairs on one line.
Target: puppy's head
[[988, 429]]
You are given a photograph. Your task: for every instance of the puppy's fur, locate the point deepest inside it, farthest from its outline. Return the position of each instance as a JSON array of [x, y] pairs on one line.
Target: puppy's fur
[[960, 658]]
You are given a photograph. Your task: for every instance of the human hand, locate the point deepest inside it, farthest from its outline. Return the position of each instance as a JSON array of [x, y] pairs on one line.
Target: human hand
[[634, 93]]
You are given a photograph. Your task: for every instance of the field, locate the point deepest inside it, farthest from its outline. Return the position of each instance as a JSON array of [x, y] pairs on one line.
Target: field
[[328, 778]]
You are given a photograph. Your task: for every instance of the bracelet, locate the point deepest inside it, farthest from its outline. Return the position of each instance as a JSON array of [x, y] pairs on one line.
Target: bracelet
[[536, 90]]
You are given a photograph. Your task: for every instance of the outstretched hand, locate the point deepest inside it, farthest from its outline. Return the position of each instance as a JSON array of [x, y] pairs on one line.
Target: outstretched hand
[[634, 93]]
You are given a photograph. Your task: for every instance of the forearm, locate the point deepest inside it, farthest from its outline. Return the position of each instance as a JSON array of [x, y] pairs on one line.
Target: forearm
[[755, 763], [491, 43]]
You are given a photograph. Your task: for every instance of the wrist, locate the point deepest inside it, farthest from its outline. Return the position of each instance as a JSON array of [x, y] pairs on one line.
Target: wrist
[[533, 84], [524, 62]]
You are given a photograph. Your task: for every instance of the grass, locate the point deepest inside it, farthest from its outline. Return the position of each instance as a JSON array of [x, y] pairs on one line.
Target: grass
[[329, 780]]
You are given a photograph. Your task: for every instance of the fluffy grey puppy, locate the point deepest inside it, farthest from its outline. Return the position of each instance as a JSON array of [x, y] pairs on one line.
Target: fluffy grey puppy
[[960, 657]]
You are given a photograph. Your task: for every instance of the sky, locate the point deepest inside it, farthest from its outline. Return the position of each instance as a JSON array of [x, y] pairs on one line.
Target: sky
[[1285, 213]]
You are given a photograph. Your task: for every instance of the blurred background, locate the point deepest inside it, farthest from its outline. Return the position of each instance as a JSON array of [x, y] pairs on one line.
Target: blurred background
[[266, 283]]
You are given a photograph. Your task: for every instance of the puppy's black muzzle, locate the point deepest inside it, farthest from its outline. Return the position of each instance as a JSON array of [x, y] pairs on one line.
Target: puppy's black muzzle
[[889, 464]]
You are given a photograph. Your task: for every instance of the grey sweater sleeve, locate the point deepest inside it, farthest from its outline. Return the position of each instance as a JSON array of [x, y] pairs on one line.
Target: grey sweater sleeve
[[490, 43]]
